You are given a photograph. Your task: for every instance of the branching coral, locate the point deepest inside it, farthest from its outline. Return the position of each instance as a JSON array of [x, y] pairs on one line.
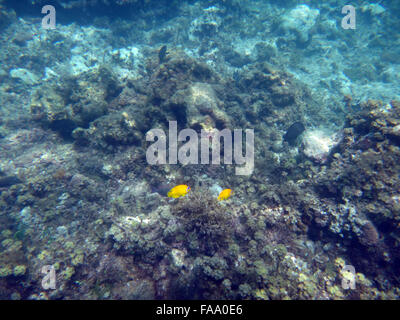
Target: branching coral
[[206, 222]]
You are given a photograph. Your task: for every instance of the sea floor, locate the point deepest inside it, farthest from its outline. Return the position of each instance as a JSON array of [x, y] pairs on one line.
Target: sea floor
[[319, 210]]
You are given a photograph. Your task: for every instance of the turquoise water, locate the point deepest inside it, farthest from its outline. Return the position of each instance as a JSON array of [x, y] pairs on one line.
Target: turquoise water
[[115, 182]]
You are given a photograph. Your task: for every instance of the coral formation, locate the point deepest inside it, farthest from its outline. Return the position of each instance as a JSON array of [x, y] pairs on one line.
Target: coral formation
[[77, 193]]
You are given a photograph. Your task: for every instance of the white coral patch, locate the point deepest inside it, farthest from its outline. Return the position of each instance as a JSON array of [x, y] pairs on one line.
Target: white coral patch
[[318, 143]]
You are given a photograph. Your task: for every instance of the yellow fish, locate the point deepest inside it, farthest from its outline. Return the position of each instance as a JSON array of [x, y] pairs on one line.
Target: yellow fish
[[178, 191], [225, 194]]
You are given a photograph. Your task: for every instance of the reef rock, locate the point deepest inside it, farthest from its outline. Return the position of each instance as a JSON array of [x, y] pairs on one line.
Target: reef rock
[[318, 143], [300, 20], [25, 76]]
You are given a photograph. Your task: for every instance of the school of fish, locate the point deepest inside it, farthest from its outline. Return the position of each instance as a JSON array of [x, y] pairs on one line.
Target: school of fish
[[182, 189]]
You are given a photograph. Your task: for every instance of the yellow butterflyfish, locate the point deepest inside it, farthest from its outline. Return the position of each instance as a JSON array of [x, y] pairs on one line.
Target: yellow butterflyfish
[[225, 194], [178, 191]]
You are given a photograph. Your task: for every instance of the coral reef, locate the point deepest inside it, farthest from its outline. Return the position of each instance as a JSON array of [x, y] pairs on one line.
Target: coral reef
[[77, 193]]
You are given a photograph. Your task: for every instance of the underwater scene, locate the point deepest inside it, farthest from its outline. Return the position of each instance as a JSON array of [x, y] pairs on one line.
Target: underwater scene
[[199, 150]]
